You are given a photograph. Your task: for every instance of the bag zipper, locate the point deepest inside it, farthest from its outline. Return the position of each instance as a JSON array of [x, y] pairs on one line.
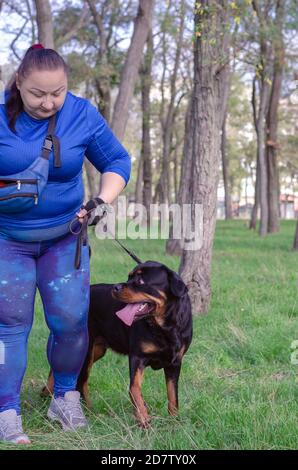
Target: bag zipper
[[12, 196], [19, 182]]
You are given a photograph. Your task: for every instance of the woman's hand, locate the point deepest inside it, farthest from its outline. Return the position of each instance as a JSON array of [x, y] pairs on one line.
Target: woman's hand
[[88, 209], [81, 214]]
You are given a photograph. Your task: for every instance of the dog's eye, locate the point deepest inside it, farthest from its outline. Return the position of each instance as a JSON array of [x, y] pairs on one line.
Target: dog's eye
[[140, 281]]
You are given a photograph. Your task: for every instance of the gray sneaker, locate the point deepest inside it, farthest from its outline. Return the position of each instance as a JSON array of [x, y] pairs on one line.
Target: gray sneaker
[[11, 429], [68, 411]]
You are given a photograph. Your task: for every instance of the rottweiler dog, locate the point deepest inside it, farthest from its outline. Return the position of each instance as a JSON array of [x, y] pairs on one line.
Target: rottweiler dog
[[149, 319]]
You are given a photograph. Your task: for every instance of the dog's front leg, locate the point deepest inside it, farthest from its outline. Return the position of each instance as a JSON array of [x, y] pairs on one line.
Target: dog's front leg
[[172, 376], [136, 369]]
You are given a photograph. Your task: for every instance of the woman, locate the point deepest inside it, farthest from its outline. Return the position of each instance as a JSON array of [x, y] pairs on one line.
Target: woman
[[37, 249]]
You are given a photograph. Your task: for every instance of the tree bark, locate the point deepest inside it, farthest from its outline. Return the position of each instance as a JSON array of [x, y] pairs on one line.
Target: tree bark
[[264, 94], [44, 23], [174, 246], [131, 67], [263, 76], [210, 69], [167, 121], [102, 81], [226, 172], [272, 121], [146, 143], [139, 182], [92, 179], [254, 212]]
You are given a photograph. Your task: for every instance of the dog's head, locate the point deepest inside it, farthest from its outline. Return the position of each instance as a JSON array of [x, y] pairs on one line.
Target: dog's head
[[150, 288]]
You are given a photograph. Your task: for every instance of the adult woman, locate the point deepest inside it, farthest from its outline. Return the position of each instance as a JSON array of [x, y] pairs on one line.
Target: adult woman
[[37, 248]]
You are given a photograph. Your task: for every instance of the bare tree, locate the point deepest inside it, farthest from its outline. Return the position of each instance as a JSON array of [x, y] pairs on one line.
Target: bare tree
[[167, 115], [146, 143], [102, 80], [272, 118], [266, 95], [263, 81], [131, 67], [174, 246]]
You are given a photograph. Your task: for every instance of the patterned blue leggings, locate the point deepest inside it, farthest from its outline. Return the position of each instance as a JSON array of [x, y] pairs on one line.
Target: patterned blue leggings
[[48, 266]]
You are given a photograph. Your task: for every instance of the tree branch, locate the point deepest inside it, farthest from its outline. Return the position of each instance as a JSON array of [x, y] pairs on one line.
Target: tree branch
[[82, 21]]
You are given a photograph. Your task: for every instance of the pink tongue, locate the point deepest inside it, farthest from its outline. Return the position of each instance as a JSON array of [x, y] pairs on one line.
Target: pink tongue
[[128, 313]]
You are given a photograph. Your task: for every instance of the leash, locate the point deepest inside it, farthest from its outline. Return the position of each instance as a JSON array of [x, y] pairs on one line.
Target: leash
[[82, 235]]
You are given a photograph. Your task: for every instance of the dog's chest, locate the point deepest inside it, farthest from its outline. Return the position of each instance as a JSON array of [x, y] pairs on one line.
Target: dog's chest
[[157, 352]]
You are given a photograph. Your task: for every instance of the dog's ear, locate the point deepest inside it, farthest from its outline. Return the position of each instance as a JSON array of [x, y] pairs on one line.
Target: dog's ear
[[177, 286]]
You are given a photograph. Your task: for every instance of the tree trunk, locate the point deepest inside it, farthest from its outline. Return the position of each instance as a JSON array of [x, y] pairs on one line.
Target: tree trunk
[[146, 143], [131, 67], [272, 122], [210, 69], [264, 94], [174, 246], [44, 23], [139, 182], [254, 213], [168, 119], [295, 246], [102, 81], [226, 172], [92, 179], [104, 93]]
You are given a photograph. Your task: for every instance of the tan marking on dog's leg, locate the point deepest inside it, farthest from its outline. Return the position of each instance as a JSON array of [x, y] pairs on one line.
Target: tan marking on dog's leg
[[48, 389], [96, 353], [99, 351], [172, 397], [137, 399], [181, 353]]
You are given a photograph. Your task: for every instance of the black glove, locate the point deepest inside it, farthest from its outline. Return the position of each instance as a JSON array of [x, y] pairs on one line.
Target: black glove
[[90, 206]]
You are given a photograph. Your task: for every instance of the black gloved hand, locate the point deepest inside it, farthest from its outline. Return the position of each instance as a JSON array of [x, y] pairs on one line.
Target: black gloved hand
[[90, 206]]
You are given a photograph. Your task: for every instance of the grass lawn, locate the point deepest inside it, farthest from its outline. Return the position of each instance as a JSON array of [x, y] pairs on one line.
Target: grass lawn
[[238, 388]]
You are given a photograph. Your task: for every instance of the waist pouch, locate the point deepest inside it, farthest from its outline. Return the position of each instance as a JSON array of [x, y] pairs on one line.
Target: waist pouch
[[20, 192]]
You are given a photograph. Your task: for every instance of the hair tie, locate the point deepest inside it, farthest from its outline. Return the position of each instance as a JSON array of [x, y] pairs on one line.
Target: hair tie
[[37, 46]]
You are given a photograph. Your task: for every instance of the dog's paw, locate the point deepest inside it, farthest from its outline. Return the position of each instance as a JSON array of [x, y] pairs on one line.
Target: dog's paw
[[144, 421], [44, 392]]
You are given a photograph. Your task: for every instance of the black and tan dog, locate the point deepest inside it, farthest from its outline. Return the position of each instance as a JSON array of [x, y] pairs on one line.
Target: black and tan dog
[[147, 318]]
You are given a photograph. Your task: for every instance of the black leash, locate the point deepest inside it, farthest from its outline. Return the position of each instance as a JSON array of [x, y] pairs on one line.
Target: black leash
[[82, 234]]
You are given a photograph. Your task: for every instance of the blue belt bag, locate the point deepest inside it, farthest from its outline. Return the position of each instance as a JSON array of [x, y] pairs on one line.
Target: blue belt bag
[[20, 192]]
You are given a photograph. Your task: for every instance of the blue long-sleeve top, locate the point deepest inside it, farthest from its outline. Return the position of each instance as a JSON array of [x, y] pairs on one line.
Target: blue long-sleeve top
[[82, 132]]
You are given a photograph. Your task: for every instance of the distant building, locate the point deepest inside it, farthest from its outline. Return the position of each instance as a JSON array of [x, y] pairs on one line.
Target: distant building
[[241, 208]]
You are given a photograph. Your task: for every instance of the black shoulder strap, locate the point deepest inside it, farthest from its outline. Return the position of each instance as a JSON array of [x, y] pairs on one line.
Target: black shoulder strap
[[52, 141]]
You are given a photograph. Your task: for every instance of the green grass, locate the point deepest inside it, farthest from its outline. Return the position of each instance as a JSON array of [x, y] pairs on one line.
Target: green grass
[[238, 388]]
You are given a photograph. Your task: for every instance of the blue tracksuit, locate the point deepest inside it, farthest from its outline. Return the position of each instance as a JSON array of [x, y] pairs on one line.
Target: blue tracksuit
[[37, 250]]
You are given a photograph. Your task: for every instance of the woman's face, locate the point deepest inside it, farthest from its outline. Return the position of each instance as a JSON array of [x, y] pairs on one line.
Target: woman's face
[[43, 92]]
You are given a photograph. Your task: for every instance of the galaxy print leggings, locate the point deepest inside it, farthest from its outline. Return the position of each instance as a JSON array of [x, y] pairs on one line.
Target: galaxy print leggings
[[48, 266]]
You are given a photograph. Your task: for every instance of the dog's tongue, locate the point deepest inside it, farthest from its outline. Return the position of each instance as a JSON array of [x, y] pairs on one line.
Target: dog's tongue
[[130, 311]]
